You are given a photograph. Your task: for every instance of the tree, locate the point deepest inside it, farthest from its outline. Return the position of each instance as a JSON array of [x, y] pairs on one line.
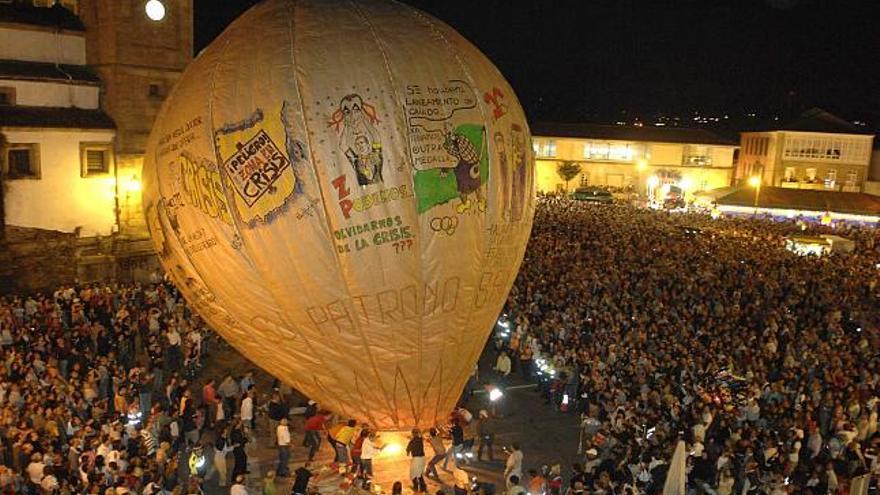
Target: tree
[[568, 170]]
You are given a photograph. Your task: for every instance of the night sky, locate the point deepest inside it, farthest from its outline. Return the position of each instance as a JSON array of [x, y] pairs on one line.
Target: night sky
[[608, 60]]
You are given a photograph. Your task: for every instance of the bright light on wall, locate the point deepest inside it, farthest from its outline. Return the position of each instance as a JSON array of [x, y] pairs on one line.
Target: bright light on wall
[[754, 181], [641, 164], [155, 10], [132, 185]]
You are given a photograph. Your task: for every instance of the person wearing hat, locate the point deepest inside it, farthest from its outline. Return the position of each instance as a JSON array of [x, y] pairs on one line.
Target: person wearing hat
[[592, 463], [416, 450]]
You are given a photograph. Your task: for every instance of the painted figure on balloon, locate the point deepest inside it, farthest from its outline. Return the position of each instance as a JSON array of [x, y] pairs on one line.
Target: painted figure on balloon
[[355, 123], [466, 145], [504, 175], [468, 176], [519, 189], [366, 160]]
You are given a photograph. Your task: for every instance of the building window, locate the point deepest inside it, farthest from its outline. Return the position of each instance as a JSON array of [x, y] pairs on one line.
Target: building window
[[696, 155], [615, 152], [545, 148], [7, 96], [827, 149], [155, 90], [852, 178], [790, 174], [22, 161], [830, 178], [811, 175], [95, 159], [70, 5]]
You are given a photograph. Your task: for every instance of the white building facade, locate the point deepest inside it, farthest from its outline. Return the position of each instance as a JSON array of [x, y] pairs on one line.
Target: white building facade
[[817, 151], [56, 144]]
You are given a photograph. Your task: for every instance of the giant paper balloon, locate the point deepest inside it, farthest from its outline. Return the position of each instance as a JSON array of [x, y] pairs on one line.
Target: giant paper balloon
[[344, 190]]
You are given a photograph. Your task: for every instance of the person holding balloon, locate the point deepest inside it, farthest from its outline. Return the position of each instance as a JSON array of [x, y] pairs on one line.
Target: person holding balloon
[[416, 450]]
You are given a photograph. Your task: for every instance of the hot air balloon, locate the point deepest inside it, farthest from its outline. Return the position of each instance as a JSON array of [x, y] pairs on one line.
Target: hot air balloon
[[344, 191]]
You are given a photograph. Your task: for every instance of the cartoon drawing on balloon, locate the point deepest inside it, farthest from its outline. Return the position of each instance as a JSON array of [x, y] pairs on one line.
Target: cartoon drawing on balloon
[[263, 174], [296, 149], [468, 178], [366, 160], [504, 174], [466, 146], [354, 121], [157, 232], [520, 171]]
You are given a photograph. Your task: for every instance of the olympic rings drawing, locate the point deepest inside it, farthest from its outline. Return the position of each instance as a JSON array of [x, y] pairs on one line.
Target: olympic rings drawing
[[445, 225]]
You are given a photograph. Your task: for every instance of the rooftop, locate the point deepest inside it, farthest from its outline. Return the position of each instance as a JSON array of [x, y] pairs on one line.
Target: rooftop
[[52, 17], [804, 199], [49, 117], [41, 71], [816, 120], [653, 134]]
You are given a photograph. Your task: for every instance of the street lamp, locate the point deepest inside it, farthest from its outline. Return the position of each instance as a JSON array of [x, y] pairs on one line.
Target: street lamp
[[495, 394], [155, 10], [755, 182]]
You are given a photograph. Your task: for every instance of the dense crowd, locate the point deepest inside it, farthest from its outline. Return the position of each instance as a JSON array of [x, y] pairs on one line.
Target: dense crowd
[[664, 326], [94, 390], [655, 327]]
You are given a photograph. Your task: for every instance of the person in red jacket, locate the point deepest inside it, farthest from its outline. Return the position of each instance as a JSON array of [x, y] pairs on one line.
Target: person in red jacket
[[313, 428]]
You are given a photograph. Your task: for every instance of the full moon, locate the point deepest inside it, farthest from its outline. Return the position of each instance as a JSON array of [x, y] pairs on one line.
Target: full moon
[[155, 10]]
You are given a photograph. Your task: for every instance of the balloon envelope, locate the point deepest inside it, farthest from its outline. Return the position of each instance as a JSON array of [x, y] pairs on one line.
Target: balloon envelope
[[344, 191]]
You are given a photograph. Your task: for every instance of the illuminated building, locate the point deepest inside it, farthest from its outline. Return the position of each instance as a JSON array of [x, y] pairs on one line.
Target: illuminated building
[[80, 84], [639, 158], [816, 151], [139, 49], [57, 143]]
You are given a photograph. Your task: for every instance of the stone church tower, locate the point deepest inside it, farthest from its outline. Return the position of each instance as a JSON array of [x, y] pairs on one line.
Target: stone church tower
[[139, 49]]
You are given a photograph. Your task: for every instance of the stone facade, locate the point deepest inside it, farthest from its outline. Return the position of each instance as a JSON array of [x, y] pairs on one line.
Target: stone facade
[[139, 60], [34, 260], [136, 62]]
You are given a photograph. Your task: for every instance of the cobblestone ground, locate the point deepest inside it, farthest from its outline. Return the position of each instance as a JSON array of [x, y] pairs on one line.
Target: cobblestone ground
[[545, 435]]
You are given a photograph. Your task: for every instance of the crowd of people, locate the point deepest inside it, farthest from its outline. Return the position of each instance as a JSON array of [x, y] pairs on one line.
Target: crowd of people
[[655, 327], [659, 327], [94, 390]]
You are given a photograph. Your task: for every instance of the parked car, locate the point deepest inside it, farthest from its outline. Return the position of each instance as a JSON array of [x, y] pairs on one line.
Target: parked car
[[593, 194]]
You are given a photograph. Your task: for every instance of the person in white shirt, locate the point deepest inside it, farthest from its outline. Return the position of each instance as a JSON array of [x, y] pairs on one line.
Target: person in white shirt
[[247, 410], [239, 487], [502, 364], [282, 435], [513, 467], [369, 450], [35, 469]]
